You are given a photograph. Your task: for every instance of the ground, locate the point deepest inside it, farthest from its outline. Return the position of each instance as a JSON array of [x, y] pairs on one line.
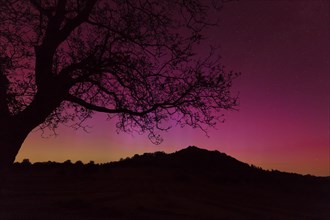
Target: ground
[[155, 193]]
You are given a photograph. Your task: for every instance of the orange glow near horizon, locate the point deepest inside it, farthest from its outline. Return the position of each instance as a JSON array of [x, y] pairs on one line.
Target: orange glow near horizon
[[282, 49]]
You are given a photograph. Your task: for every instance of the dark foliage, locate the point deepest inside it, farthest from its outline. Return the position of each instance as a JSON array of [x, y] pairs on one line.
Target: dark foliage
[[63, 60], [189, 184], [191, 163]]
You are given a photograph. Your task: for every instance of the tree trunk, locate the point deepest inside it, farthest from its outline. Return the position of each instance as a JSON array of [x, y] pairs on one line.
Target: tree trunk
[[12, 137]]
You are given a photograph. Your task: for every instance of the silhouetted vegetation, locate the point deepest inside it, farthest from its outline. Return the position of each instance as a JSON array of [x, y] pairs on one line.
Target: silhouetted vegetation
[[191, 161], [61, 61], [188, 184]]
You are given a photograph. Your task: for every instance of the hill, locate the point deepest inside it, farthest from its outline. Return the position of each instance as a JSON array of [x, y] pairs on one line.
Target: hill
[[192, 183], [213, 165]]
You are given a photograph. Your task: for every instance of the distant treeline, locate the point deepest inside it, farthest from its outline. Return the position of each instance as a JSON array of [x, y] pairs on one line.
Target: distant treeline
[[190, 162], [26, 162]]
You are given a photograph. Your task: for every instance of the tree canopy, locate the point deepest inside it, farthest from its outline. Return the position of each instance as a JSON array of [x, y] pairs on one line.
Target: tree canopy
[[63, 60]]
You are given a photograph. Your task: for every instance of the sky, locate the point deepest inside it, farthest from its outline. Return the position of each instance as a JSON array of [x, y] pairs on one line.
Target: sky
[[282, 50]]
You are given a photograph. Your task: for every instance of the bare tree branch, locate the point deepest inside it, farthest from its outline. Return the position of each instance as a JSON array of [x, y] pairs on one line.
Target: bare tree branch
[[135, 60]]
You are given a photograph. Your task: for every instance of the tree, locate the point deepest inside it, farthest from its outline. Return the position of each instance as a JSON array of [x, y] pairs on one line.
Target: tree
[[26, 162], [63, 60]]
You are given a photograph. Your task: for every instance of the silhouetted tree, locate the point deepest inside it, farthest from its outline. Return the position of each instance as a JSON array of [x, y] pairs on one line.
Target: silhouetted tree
[[91, 163], [26, 162], [79, 163], [62, 60], [67, 163]]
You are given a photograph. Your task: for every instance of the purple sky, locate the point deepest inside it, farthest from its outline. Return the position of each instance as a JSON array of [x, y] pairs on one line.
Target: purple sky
[[282, 50]]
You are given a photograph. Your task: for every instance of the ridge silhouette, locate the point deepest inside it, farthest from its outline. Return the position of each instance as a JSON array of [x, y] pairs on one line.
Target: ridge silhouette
[[192, 183], [190, 157], [194, 162], [188, 163]]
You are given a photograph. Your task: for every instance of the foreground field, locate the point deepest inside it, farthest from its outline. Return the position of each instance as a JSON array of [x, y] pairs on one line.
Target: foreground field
[[156, 192]]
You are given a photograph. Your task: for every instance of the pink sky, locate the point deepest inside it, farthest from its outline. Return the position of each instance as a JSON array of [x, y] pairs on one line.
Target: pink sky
[[282, 50]]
